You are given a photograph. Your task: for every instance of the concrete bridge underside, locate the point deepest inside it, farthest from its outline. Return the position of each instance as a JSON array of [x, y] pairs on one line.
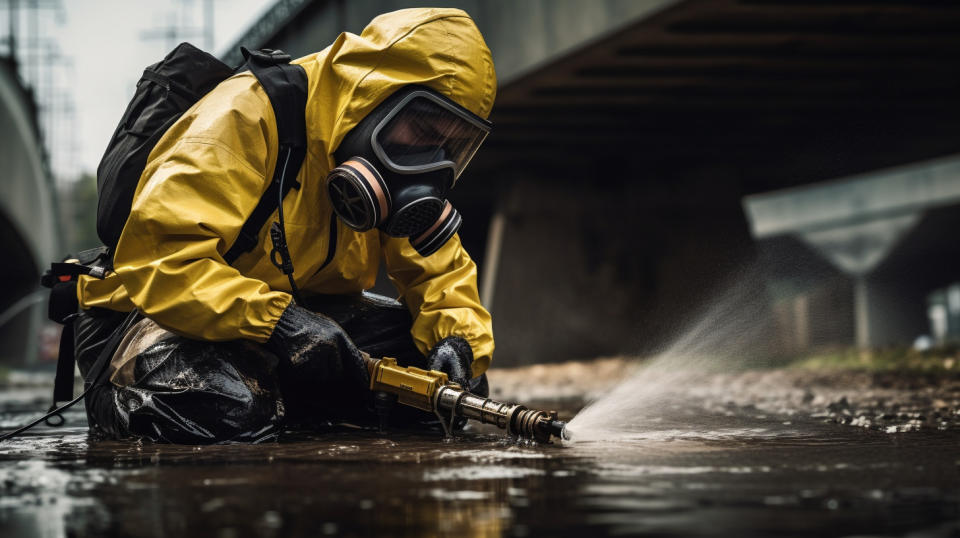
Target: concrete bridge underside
[[605, 208], [28, 239]]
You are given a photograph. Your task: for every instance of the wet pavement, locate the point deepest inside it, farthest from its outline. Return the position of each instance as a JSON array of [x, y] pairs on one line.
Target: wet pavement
[[695, 468]]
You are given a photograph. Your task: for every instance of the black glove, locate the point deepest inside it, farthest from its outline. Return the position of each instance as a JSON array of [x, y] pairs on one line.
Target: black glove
[[452, 356], [316, 344]]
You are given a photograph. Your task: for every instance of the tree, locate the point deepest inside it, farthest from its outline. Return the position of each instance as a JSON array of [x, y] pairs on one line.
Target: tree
[[81, 211]]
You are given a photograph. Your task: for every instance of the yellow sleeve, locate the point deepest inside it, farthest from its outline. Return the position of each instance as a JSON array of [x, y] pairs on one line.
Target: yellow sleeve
[[441, 292], [201, 182]]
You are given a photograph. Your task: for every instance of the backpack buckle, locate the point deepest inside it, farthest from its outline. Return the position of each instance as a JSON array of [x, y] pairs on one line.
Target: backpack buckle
[[68, 271]]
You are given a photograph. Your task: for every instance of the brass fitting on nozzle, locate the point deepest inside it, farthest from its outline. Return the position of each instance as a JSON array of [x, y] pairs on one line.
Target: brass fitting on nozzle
[[431, 390], [538, 425], [516, 419]]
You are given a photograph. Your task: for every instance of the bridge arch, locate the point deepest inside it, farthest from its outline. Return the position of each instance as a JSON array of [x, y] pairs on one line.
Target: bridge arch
[[28, 221]]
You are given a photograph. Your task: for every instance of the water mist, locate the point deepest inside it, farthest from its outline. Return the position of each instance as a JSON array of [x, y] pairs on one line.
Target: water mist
[[730, 332]]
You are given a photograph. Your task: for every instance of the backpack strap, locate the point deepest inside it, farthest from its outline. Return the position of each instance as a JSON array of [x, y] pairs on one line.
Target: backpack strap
[[62, 307], [286, 86]]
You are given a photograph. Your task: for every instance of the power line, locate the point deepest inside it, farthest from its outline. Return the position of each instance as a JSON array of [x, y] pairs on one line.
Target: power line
[[177, 27]]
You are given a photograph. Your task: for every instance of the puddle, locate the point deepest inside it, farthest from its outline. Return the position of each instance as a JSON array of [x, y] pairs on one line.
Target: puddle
[[481, 472], [692, 472]]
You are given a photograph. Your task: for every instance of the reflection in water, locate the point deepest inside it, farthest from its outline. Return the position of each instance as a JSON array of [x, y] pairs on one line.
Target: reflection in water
[[480, 511], [35, 502], [688, 474]]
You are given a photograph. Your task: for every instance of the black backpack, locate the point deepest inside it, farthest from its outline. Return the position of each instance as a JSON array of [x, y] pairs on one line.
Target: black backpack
[[166, 90]]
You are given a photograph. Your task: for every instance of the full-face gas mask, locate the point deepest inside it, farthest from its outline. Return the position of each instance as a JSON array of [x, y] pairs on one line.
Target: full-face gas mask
[[397, 165]]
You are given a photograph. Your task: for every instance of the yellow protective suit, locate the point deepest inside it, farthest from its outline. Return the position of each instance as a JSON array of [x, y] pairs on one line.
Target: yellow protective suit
[[208, 172]]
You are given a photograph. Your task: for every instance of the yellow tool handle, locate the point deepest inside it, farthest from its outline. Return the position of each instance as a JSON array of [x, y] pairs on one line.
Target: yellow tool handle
[[432, 391], [413, 386]]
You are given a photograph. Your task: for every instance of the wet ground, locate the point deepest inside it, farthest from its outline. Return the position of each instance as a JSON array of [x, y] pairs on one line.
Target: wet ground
[[721, 457]]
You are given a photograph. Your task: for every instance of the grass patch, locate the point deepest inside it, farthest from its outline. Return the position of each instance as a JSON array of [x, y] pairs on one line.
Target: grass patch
[[937, 360]]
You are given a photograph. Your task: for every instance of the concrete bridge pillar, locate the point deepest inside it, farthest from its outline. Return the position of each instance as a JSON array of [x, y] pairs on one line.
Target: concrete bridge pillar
[[875, 230]]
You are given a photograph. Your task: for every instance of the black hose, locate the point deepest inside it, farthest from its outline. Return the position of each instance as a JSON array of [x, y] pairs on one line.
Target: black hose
[[97, 373]]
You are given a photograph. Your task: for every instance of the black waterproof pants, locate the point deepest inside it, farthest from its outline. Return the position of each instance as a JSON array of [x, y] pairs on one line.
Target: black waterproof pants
[[196, 392]]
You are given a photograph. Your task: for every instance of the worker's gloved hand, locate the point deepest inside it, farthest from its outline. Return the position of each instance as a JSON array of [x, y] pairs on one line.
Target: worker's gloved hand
[[452, 356], [316, 344]]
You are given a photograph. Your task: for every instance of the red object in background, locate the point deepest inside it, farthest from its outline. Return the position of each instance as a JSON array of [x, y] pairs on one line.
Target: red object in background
[[49, 343]]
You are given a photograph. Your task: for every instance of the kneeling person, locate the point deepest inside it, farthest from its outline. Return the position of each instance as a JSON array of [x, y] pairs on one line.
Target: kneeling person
[[224, 352]]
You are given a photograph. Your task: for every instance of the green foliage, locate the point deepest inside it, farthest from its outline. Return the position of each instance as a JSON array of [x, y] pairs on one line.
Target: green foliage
[[80, 204], [936, 360]]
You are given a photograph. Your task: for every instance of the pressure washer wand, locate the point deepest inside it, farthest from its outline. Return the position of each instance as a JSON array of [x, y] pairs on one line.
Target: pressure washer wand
[[432, 391]]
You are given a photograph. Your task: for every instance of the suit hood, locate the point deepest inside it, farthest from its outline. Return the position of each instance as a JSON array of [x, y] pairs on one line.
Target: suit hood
[[441, 49]]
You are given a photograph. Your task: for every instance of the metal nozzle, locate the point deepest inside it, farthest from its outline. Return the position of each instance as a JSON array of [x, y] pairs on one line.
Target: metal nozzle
[[516, 419], [430, 390], [538, 425]]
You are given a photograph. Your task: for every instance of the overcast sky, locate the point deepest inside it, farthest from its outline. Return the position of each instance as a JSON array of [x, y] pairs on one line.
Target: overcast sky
[[105, 40]]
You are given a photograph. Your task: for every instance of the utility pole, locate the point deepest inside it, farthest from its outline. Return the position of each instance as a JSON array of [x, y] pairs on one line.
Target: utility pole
[[208, 28], [171, 33], [25, 51], [177, 28], [32, 62], [12, 19]]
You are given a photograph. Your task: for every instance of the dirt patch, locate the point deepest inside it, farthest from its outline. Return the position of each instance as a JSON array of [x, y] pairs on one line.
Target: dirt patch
[[572, 383], [888, 401]]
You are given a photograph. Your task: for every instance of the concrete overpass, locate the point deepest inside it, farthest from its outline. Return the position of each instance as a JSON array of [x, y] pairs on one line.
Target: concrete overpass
[[28, 221], [606, 206], [888, 231]]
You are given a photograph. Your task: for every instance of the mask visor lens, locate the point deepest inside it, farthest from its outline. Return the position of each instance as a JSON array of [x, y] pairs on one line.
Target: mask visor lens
[[427, 134]]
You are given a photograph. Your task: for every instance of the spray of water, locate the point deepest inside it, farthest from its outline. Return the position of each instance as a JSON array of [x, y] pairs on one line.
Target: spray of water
[[732, 331]]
